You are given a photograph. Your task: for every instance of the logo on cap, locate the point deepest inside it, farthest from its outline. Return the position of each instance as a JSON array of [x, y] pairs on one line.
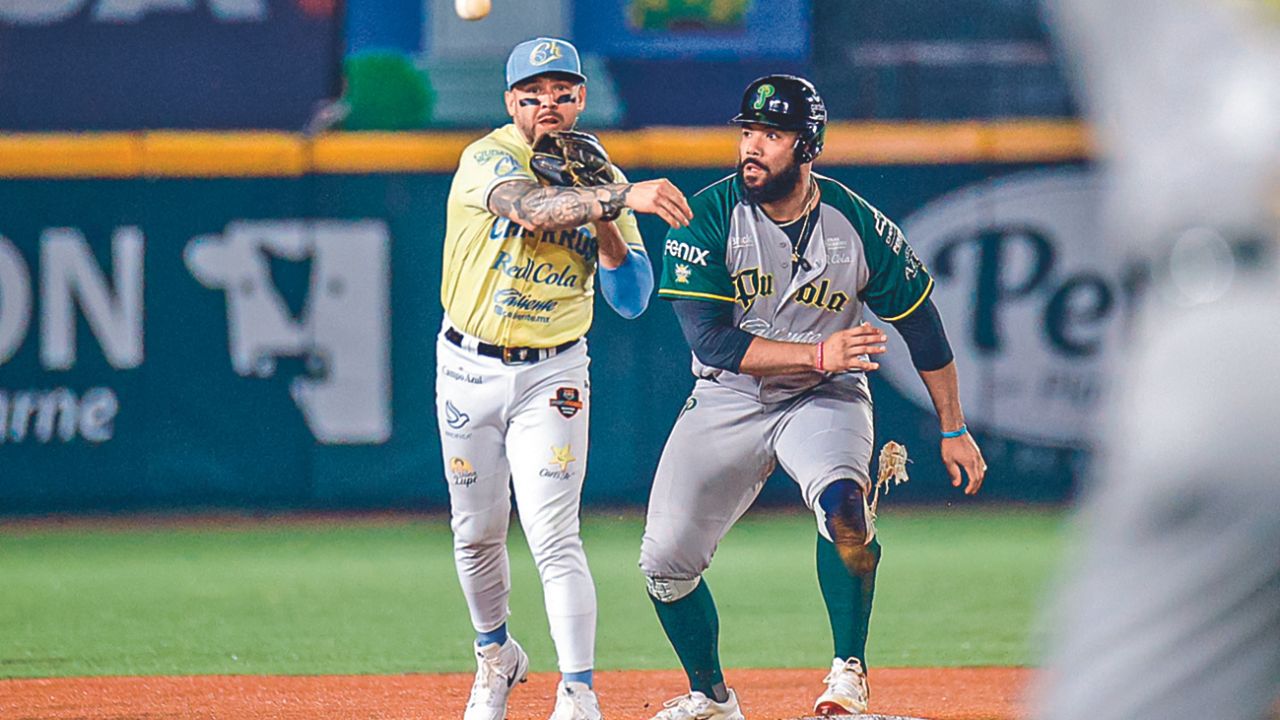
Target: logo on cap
[[544, 53], [764, 92]]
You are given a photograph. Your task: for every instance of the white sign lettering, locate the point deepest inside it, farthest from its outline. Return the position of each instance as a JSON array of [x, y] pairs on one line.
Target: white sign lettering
[[45, 416], [69, 275], [15, 299], [71, 280]]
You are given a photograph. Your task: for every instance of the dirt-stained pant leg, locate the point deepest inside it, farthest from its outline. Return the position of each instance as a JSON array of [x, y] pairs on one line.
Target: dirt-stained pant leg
[[824, 437], [712, 468]]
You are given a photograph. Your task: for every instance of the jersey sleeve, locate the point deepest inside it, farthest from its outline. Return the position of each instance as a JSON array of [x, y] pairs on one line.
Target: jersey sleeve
[[897, 282], [693, 257], [484, 165]]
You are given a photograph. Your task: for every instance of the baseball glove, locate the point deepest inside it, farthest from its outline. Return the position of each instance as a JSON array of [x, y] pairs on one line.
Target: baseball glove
[[893, 471], [571, 158]]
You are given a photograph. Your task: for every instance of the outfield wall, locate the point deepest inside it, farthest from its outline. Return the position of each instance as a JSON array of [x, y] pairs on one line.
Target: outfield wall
[[248, 320]]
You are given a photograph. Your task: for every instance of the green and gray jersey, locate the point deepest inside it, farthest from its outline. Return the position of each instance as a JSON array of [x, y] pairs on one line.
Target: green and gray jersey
[[732, 252]]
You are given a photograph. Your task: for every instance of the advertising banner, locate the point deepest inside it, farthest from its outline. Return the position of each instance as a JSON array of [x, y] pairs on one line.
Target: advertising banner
[[269, 343]]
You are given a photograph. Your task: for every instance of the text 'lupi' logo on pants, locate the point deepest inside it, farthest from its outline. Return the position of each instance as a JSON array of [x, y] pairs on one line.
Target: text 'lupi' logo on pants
[[343, 332]]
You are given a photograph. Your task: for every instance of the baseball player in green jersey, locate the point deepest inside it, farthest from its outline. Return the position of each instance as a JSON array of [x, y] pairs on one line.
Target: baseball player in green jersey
[[769, 282]]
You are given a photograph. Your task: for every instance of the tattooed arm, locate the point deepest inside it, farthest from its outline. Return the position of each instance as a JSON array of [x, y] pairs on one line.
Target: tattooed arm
[[556, 208], [559, 208]]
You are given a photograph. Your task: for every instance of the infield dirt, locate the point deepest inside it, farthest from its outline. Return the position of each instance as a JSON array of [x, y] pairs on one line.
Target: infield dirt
[[933, 693]]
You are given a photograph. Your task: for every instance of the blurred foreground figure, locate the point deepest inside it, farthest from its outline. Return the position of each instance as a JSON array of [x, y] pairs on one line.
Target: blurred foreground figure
[[1171, 608]]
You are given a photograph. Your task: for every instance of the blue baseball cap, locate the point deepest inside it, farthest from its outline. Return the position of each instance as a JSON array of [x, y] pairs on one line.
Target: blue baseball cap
[[543, 55]]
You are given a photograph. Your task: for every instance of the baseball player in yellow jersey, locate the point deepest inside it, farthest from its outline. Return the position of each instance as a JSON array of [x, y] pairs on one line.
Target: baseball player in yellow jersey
[[512, 391]]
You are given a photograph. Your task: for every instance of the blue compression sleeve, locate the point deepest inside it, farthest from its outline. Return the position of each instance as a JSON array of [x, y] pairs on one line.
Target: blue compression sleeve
[[627, 287], [709, 329], [926, 338]]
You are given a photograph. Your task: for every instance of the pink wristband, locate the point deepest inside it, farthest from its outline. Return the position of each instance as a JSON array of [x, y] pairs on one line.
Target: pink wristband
[[819, 363]]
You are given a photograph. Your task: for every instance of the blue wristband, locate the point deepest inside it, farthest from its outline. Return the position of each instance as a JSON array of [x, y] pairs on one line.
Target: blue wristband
[[964, 429]]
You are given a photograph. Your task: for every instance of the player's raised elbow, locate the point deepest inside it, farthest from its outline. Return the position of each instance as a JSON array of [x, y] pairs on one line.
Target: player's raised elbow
[[712, 336], [632, 312], [629, 308], [719, 358], [628, 287]]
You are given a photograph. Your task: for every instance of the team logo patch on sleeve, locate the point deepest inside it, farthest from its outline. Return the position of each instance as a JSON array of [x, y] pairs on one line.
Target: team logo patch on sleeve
[[568, 401], [506, 165], [682, 273]]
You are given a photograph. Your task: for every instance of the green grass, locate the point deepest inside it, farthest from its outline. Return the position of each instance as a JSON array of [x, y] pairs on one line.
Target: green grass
[[956, 588]]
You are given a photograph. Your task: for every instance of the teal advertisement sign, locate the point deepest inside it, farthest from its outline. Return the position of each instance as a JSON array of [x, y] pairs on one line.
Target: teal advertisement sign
[[269, 343]]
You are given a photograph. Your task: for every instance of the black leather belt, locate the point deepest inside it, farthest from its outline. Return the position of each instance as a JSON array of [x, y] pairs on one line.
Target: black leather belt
[[509, 355]]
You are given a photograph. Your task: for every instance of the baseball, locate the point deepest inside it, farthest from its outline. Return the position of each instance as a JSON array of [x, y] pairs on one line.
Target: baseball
[[472, 9]]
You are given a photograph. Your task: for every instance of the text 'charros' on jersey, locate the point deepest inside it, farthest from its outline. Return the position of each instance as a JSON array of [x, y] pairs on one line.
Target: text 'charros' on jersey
[[577, 240]]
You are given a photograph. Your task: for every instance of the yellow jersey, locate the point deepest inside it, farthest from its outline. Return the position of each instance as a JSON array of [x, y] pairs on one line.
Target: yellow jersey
[[510, 286]]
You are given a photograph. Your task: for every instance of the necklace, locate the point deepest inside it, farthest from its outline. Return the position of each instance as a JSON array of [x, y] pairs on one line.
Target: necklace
[[804, 230]]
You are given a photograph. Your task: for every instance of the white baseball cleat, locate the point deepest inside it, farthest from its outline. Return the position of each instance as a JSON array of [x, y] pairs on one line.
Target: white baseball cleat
[[696, 706], [575, 701], [847, 690], [500, 667]]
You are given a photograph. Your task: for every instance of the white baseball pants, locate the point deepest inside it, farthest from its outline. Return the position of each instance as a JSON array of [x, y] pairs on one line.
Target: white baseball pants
[[522, 427]]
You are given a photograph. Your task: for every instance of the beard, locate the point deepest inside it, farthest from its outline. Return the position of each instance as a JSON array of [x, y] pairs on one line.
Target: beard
[[776, 185]]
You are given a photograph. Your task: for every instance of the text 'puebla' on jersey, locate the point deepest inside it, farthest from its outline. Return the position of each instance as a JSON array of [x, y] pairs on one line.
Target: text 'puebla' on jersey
[[750, 284], [732, 252], [503, 283], [821, 296]]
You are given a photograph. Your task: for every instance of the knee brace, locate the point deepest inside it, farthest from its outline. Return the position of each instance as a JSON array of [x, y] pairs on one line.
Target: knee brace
[[669, 590], [845, 520], [844, 514]]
